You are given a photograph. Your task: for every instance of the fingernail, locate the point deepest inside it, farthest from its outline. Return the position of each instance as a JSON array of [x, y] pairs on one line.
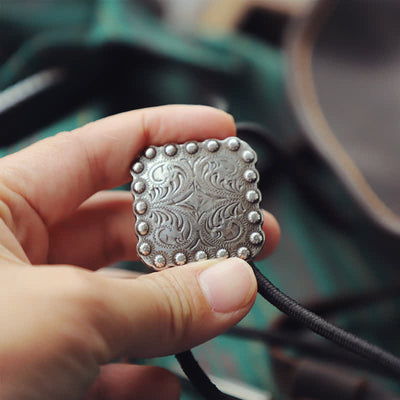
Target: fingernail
[[229, 285]]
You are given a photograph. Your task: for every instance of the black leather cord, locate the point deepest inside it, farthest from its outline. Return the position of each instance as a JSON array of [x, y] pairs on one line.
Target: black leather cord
[[345, 339], [287, 335], [199, 379]]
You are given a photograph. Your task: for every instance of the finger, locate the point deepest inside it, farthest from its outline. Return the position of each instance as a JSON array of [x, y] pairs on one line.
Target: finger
[[55, 175], [160, 313], [10, 249], [272, 233], [119, 273], [105, 223], [134, 382]]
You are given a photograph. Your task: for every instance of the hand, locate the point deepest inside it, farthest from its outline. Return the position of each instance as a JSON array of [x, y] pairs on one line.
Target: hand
[[60, 325]]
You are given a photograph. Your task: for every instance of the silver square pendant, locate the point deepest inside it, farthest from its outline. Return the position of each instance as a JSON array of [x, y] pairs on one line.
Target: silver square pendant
[[196, 201]]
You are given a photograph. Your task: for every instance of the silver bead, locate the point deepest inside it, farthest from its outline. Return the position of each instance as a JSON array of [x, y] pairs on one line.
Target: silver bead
[[221, 253], [212, 146], [252, 196], [254, 217], [138, 167], [192, 147], [180, 259], [256, 238], [250, 176], [159, 261], [144, 249], [200, 255], [233, 144], [170, 150], [141, 207], [243, 253], [150, 153], [248, 156], [138, 187], [142, 228]]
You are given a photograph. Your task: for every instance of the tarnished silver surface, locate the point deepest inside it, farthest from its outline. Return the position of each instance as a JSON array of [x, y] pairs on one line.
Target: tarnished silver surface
[[196, 201]]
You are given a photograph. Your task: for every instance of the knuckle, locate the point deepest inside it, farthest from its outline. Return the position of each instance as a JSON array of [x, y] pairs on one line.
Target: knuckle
[[79, 305], [175, 306], [151, 125], [79, 288], [86, 296]]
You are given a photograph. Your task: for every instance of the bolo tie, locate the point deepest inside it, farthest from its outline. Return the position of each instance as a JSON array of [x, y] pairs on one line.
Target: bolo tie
[[200, 200]]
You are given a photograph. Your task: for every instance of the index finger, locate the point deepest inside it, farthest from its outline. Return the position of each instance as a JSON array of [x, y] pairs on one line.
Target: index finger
[[57, 174]]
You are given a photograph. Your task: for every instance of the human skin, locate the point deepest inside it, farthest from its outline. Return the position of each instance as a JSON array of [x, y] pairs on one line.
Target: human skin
[[61, 322]]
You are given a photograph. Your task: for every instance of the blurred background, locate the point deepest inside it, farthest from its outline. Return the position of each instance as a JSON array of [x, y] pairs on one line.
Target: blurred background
[[315, 88]]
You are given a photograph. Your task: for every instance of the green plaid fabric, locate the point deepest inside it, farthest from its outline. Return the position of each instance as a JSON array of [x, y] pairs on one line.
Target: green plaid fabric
[[113, 38]]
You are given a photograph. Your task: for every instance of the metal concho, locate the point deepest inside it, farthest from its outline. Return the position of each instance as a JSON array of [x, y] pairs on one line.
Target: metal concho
[[196, 201]]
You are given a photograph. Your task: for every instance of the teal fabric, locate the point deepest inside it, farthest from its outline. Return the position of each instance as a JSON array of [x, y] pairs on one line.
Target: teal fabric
[[107, 38]]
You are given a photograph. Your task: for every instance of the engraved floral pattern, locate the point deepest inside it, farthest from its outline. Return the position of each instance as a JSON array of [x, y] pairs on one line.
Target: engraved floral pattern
[[196, 202]]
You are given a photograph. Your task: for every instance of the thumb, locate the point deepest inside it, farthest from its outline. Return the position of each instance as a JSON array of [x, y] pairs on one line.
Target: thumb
[[173, 310]]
